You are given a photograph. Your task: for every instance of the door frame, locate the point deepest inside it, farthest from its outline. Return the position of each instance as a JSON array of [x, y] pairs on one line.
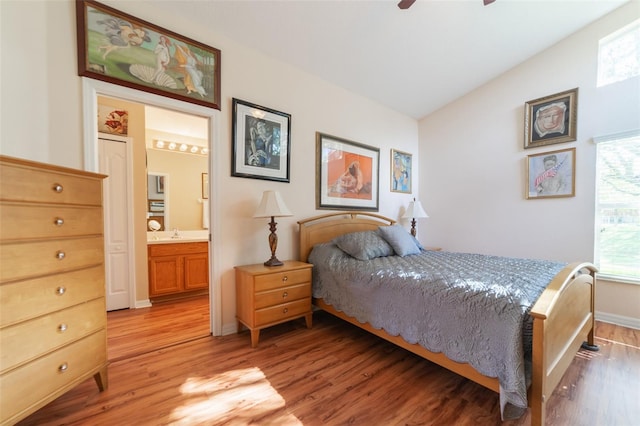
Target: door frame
[[91, 89]]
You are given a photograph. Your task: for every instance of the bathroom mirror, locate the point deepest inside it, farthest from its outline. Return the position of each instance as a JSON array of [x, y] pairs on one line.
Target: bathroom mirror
[[174, 189]]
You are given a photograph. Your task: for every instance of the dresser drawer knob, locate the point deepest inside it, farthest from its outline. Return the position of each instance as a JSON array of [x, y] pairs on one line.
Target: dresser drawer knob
[[285, 294], [285, 310], [59, 221], [57, 187], [60, 255], [60, 291], [63, 367], [285, 278], [62, 327]]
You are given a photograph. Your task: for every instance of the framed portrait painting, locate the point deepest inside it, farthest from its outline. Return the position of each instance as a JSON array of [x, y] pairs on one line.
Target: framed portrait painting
[[401, 172], [551, 174], [125, 50], [261, 142], [346, 174], [551, 119]]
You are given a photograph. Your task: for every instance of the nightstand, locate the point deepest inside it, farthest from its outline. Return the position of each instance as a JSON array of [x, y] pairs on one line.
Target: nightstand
[[270, 295]]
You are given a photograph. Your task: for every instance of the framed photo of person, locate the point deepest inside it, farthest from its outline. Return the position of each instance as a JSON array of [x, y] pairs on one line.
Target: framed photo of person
[[551, 174], [401, 172], [347, 174], [121, 49], [261, 142], [551, 119]]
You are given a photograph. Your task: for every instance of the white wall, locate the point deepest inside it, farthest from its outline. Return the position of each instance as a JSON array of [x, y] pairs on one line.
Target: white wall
[[42, 120], [473, 163]]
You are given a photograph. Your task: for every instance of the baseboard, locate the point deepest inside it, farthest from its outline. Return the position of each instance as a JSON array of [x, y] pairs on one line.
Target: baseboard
[[143, 304], [618, 320]]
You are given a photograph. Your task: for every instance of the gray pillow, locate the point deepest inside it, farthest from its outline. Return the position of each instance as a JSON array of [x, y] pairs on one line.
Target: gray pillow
[[364, 245], [402, 242]]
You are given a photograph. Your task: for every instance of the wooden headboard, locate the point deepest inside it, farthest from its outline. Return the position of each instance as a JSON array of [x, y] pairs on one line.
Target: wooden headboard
[[321, 229]]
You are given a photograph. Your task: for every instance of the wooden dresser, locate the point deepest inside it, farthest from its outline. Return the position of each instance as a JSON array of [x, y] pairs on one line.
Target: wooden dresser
[[270, 295], [52, 288]]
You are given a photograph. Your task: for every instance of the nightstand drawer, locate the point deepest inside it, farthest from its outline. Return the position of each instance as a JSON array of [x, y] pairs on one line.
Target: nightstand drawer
[[282, 279], [282, 312], [282, 295]]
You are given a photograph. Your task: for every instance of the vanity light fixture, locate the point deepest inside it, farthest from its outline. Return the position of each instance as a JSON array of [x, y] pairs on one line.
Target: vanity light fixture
[[159, 144], [272, 206], [186, 148], [183, 147], [172, 146]]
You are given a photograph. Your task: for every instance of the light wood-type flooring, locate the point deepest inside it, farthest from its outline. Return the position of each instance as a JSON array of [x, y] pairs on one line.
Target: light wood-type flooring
[[332, 374]]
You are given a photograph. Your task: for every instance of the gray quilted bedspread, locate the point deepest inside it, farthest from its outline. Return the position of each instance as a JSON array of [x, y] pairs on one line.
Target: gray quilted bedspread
[[473, 308]]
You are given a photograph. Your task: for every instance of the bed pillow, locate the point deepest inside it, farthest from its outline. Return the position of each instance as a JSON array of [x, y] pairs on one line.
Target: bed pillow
[[402, 242], [364, 245]]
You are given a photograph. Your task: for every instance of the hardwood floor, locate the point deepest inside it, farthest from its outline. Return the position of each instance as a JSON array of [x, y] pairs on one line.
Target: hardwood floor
[[333, 374]]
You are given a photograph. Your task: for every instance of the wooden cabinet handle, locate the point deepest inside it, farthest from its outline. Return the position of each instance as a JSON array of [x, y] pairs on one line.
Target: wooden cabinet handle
[[285, 278], [285, 294], [57, 187], [60, 291], [62, 327], [285, 310], [60, 255], [63, 367], [59, 221]]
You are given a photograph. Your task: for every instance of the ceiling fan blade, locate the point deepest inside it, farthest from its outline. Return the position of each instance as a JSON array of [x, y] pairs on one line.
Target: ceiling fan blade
[[486, 2], [405, 4]]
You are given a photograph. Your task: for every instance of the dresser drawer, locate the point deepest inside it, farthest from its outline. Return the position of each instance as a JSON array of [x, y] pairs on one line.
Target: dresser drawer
[[24, 221], [282, 295], [26, 386], [25, 260], [282, 312], [282, 279], [48, 186], [49, 332], [22, 300], [174, 249]]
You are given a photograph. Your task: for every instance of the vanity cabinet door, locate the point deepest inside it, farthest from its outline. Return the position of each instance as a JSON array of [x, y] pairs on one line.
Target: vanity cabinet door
[[165, 275], [196, 271]]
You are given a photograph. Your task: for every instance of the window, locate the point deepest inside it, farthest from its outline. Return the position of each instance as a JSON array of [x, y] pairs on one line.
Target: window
[[617, 243], [619, 55]]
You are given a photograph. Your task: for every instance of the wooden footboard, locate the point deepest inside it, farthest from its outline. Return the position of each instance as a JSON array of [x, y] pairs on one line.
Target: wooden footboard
[[563, 318]]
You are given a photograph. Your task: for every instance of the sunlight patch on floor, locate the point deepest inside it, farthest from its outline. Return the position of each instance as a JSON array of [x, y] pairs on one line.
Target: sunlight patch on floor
[[237, 397]]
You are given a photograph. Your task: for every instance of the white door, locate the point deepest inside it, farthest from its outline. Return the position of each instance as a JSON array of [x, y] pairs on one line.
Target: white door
[[113, 163]]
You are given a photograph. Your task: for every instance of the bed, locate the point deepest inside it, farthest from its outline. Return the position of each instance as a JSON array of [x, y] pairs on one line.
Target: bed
[[560, 317]]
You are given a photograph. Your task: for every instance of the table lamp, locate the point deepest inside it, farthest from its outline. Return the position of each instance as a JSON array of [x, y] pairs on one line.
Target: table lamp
[[414, 211], [272, 206]]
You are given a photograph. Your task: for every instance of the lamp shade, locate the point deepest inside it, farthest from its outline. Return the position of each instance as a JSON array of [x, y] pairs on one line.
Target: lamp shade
[[414, 210], [272, 206]]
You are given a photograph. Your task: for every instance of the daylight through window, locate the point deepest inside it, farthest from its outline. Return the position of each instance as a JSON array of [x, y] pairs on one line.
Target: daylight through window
[[619, 55], [617, 249]]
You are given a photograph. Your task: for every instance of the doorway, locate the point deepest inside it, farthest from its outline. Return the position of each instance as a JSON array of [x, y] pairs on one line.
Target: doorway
[[91, 90]]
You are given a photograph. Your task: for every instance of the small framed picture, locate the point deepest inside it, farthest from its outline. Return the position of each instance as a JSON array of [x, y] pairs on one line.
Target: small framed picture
[[346, 174], [205, 186], [261, 142], [160, 184], [401, 172], [551, 174], [551, 119]]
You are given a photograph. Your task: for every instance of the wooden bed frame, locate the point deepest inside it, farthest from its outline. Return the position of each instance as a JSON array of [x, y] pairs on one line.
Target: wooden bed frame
[[563, 316]]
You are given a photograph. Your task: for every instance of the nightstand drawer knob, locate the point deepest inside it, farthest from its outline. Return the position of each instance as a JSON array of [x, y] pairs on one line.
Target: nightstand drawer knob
[[62, 327], [60, 291], [285, 278], [63, 367], [285, 294], [59, 221], [60, 255], [285, 310], [57, 187]]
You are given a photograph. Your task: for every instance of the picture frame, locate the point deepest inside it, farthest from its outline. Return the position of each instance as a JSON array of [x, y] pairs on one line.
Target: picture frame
[[551, 119], [261, 142], [401, 171], [160, 184], [551, 174], [347, 174], [205, 186], [121, 49]]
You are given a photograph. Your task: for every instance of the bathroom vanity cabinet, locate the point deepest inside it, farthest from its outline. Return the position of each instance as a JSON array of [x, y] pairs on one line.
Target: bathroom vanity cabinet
[[178, 268]]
